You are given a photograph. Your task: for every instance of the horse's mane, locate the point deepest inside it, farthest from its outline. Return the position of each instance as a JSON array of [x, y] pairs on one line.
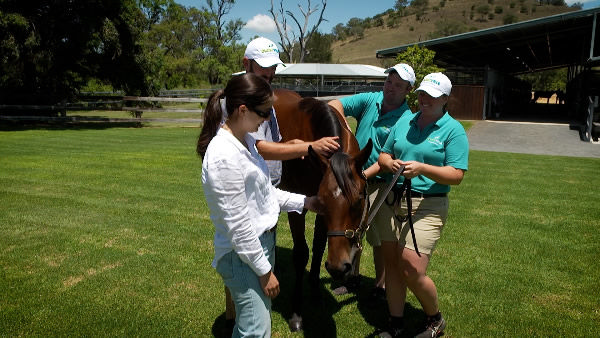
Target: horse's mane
[[325, 122]]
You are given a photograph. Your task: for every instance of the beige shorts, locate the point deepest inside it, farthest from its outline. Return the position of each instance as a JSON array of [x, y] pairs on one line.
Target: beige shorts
[[428, 221], [383, 227]]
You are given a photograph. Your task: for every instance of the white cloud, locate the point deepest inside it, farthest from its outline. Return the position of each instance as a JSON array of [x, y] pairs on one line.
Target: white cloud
[[261, 23]]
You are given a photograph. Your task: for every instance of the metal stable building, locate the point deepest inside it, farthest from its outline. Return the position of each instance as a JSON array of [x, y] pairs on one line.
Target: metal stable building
[[321, 79], [482, 64]]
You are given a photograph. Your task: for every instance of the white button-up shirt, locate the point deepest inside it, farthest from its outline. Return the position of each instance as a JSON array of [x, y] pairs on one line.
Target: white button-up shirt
[[242, 202]]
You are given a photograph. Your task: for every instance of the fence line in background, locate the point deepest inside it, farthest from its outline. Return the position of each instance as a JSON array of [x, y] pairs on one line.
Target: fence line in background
[[136, 109]]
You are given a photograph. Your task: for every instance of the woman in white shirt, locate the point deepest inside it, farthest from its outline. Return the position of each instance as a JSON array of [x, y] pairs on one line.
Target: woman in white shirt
[[244, 206]]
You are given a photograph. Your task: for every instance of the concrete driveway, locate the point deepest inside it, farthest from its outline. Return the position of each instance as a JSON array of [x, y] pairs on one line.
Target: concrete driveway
[[530, 138]]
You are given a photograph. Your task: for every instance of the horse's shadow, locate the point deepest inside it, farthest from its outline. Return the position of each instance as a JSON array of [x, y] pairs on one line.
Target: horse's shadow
[[318, 321]]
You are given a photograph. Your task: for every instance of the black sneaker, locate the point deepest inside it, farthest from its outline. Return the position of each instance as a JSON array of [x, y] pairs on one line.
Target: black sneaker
[[434, 328]]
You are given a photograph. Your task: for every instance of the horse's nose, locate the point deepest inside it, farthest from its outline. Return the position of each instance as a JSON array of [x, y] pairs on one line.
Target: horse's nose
[[347, 268], [341, 272]]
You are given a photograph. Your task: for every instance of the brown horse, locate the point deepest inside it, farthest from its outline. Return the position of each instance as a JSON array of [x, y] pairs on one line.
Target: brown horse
[[339, 183]]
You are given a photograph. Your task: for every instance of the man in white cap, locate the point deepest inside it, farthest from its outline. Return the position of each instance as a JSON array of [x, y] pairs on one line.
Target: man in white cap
[[376, 113], [261, 58]]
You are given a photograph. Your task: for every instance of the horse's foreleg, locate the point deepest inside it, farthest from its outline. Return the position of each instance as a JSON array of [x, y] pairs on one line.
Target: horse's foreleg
[[319, 243], [300, 260]]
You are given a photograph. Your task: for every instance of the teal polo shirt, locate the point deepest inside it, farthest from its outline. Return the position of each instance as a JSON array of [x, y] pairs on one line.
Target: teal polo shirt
[[365, 108], [442, 143]]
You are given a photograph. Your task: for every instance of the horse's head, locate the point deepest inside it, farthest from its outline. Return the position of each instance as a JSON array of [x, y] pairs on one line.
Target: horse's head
[[343, 192]]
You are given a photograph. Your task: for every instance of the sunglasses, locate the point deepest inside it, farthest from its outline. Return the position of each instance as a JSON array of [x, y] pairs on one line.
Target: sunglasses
[[263, 114]]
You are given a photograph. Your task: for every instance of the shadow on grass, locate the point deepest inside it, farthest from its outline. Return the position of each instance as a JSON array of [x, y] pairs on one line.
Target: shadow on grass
[[320, 306], [95, 124]]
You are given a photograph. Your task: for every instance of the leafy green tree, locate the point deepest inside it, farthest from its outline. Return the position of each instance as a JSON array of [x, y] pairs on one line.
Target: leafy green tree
[[421, 59], [340, 31], [400, 6], [509, 18], [548, 80], [483, 10], [50, 49], [356, 28], [319, 48]]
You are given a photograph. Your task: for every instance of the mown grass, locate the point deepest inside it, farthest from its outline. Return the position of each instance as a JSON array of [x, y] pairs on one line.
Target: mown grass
[[106, 233]]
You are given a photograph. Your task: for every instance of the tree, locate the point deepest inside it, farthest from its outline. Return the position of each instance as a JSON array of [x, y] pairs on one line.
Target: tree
[[548, 80], [197, 45], [226, 32], [421, 59], [304, 34], [483, 10], [400, 6], [319, 48], [50, 49]]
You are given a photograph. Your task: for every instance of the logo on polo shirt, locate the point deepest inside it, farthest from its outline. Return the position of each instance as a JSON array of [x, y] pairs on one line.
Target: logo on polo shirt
[[435, 140]]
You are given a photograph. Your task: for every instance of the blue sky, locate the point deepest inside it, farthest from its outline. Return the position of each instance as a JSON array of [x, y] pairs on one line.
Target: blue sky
[[255, 13]]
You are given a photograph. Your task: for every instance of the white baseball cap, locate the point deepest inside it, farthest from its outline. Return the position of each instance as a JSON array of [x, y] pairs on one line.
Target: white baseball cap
[[436, 85], [405, 71], [264, 52]]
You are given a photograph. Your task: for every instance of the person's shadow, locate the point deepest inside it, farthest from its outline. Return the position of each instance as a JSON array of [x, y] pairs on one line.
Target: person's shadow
[[319, 308]]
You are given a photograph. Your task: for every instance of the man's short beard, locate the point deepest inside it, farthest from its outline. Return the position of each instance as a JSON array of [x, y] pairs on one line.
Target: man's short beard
[[252, 63]]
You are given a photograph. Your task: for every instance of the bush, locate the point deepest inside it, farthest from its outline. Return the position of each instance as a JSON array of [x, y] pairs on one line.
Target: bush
[[498, 10], [509, 18]]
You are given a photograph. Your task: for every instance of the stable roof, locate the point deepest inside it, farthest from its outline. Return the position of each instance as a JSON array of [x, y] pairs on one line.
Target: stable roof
[[546, 43], [304, 70]]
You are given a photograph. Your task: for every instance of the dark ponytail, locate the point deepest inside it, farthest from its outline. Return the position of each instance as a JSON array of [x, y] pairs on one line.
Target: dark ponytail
[[212, 122], [248, 89]]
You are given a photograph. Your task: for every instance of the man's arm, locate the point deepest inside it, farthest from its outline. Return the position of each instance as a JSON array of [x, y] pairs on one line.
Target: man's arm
[[296, 148], [337, 104]]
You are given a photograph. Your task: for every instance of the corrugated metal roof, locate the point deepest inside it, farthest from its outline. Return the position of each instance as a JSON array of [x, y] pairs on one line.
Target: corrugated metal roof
[[544, 43], [330, 70]]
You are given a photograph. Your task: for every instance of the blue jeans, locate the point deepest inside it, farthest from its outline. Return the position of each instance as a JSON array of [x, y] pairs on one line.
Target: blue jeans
[[252, 306]]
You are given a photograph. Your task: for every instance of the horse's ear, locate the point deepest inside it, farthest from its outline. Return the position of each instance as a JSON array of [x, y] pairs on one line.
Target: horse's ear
[[321, 162], [363, 156]]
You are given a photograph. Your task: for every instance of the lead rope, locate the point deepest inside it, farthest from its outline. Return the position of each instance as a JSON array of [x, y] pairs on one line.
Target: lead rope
[[405, 189]]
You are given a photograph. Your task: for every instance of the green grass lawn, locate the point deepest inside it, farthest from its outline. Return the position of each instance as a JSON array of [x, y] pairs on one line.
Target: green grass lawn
[[105, 232]]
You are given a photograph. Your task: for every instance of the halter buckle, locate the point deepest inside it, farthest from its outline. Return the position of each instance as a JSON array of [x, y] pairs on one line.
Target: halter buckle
[[349, 234]]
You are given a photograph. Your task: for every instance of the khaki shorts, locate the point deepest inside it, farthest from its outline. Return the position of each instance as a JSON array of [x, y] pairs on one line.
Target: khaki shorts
[[383, 227], [428, 221]]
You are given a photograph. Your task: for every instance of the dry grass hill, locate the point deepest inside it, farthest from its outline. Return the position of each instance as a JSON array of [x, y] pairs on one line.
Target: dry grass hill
[[465, 14]]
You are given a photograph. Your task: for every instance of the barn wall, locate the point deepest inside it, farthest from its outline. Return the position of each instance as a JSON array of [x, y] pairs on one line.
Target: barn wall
[[466, 102]]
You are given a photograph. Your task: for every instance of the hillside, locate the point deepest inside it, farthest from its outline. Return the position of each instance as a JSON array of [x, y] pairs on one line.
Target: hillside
[[454, 13]]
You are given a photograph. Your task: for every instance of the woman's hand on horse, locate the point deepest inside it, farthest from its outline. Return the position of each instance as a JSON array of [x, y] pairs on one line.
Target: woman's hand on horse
[[313, 203], [326, 146], [269, 284]]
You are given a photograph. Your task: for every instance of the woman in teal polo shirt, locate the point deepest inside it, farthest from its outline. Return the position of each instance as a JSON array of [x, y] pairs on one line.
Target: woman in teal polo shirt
[[434, 150]]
